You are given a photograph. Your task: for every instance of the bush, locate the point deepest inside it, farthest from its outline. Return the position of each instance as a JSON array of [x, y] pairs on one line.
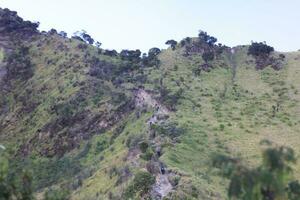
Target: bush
[[144, 146], [140, 185], [57, 194], [168, 98], [100, 146], [222, 127], [14, 185], [147, 155], [208, 56]]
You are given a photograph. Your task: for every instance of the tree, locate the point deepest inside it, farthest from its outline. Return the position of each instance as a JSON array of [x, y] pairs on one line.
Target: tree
[[52, 31], [87, 38], [153, 52], [132, 55], [204, 37], [172, 44], [260, 49], [111, 53], [140, 185], [83, 36], [63, 34], [151, 59], [271, 180], [185, 41], [11, 23], [98, 44]]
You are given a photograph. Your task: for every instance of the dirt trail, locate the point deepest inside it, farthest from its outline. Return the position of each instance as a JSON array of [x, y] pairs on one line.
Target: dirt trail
[[145, 99], [233, 64], [162, 187]]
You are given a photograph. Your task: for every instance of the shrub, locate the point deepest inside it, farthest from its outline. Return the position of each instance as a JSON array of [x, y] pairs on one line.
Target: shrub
[[148, 154], [57, 194], [140, 185], [14, 185], [168, 98], [100, 146], [143, 146], [222, 127], [208, 56]]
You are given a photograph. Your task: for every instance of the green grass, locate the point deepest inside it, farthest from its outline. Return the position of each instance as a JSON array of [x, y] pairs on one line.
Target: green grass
[[1, 55]]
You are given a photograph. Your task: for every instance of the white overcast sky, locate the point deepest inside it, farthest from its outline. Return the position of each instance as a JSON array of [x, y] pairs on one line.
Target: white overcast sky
[[132, 24]]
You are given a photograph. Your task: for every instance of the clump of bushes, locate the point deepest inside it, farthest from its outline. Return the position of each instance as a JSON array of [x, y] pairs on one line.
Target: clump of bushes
[[100, 146], [260, 49], [262, 54], [57, 194], [168, 98], [13, 185], [143, 146], [151, 59], [147, 152], [140, 185]]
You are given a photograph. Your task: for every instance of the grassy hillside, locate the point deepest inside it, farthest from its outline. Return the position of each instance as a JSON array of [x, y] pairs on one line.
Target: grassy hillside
[[223, 115], [88, 121]]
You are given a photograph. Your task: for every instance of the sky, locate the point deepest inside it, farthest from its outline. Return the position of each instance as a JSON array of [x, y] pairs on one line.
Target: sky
[[143, 24]]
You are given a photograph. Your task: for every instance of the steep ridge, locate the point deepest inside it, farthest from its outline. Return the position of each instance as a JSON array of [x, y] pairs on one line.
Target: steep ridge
[[90, 120]]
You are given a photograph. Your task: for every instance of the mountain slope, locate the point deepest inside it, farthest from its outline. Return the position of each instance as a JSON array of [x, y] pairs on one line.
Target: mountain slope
[[82, 118]]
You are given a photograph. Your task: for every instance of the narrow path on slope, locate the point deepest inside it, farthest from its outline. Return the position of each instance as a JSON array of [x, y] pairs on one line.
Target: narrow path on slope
[[162, 187], [233, 64], [143, 98]]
